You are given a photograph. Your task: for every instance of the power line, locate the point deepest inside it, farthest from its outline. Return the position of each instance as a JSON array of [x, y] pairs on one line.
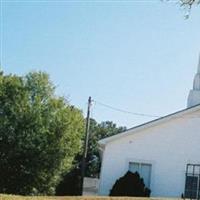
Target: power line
[[125, 111]]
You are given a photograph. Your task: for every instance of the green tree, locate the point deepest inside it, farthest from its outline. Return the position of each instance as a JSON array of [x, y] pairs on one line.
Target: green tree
[[40, 134], [70, 184], [99, 131]]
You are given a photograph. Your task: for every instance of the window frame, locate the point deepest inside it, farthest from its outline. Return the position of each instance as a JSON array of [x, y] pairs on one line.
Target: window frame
[[192, 170], [140, 169]]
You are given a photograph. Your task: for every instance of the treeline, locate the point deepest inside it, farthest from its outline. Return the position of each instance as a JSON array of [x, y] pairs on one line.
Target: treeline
[[41, 138], [70, 184]]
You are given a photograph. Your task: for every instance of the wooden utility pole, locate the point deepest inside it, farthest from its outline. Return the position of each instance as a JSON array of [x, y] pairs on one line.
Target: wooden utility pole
[[87, 129]]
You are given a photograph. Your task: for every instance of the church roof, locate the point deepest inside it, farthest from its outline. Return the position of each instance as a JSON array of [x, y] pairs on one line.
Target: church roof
[[149, 124]]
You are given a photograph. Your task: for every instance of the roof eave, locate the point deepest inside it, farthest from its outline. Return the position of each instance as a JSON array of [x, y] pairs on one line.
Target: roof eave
[[155, 122]]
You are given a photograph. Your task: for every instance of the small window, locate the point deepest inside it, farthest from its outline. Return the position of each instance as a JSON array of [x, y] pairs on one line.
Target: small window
[[143, 169]]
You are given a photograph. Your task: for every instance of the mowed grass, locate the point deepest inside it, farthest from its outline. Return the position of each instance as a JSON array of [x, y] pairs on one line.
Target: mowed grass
[[14, 197]]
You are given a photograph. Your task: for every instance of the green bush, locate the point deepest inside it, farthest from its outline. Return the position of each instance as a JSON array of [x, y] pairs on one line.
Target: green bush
[[130, 185]]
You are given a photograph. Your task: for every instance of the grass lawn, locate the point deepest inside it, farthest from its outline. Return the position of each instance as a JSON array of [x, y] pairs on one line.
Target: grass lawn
[[13, 197]]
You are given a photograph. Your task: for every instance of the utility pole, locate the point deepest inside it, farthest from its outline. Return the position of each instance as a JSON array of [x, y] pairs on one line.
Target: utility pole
[[87, 129]]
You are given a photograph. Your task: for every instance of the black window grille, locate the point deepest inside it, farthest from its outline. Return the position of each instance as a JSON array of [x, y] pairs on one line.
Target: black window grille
[[192, 181]]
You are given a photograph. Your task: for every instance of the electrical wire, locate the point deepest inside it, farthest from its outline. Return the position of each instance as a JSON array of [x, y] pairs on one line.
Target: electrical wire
[[125, 111]]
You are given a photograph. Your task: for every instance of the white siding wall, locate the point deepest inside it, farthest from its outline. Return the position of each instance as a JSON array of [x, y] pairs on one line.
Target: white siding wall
[[168, 147]]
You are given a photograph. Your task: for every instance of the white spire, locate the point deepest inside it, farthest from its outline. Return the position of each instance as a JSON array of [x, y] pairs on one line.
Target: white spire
[[196, 84], [194, 96], [198, 70]]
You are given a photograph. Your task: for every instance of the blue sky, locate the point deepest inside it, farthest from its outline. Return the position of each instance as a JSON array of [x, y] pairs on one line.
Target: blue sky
[[139, 56]]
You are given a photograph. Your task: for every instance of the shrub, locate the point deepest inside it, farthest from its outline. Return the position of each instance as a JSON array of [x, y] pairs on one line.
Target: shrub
[[130, 185], [70, 185]]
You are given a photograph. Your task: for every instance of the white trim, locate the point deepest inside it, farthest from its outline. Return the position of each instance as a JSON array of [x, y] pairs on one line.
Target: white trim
[[156, 122]]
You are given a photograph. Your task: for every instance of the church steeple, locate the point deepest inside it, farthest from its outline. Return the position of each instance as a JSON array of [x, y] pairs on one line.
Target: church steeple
[[199, 64], [196, 84], [194, 95]]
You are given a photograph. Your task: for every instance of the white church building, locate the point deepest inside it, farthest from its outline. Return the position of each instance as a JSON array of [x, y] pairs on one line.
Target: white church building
[[165, 152]]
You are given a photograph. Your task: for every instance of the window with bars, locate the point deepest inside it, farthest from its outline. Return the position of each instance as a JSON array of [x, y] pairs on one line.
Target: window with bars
[[191, 187], [192, 181]]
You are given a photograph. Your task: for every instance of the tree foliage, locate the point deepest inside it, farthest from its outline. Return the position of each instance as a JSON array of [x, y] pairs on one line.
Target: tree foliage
[[189, 3], [40, 134], [99, 131], [70, 185]]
